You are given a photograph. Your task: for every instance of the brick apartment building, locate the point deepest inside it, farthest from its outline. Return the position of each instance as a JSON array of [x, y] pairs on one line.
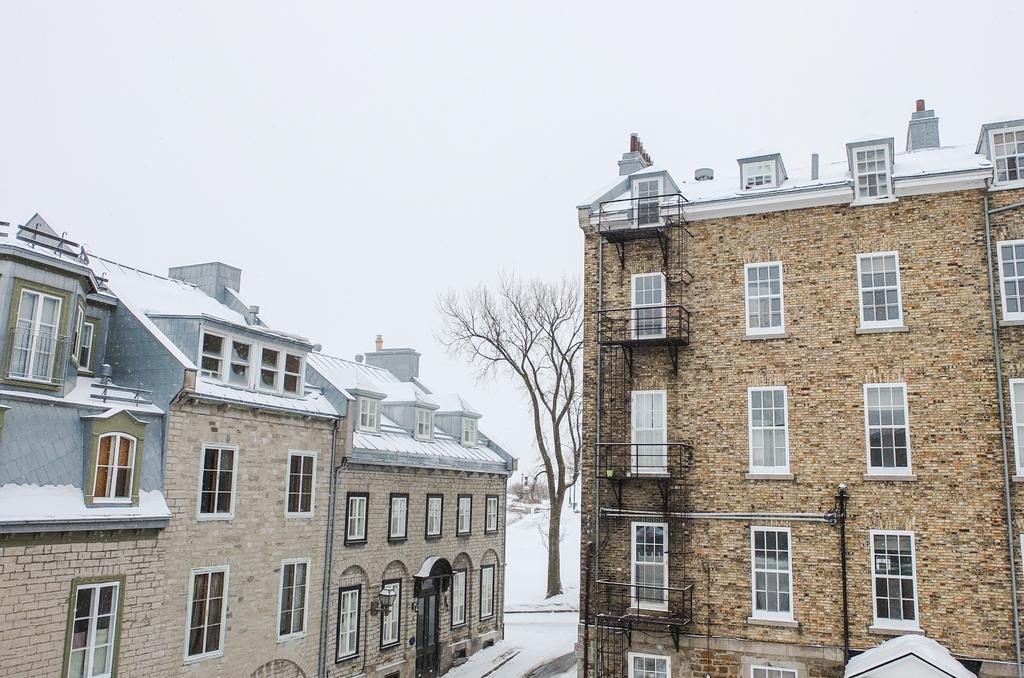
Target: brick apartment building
[[793, 403], [171, 470]]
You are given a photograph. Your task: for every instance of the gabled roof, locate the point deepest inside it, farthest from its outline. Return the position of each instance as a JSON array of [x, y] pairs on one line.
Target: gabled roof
[[907, 656]]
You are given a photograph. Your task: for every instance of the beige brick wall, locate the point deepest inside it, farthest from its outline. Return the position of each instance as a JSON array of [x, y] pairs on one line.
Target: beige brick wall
[[369, 564], [955, 506]]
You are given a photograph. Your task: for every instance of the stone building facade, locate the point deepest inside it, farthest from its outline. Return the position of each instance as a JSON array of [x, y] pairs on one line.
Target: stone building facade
[[764, 344]]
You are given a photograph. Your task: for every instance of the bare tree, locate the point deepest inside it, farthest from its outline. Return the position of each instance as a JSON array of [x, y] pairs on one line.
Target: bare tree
[[533, 331]]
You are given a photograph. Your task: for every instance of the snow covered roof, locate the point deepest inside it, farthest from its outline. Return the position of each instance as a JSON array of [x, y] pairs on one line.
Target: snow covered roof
[[313, 402], [395, 445], [30, 507], [85, 394], [907, 656]]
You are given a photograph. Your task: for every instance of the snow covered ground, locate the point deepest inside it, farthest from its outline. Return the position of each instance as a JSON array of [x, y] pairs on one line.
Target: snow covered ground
[[527, 570], [537, 632]]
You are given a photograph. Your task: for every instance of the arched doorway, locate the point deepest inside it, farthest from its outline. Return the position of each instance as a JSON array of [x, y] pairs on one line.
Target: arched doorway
[[279, 668], [431, 582]]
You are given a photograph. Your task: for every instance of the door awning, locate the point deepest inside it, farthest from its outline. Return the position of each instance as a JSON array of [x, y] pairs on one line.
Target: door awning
[[909, 656]]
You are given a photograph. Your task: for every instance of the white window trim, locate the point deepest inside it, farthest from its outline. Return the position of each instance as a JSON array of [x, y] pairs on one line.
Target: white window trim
[[464, 574], [767, 470], [488, 501], [761, 614], [287, 484], [749, 170], [895, 624], [634, 194], [87, 365], [647, 470], [395, 609], [469, 432], [881, 471], [870, 324], [1018, 444], [115, 626], [633, 601], [644, 655], [366, 518], [255, 363], [404, 498], [459, 513], [428, 423], [492, 568], [858, 199], [760, 331], [35, 323], [219, 652], [1012, 183], [358, 590], [786, 673], [440, 516], [634, 314], [230, 515], [305, 601], [1018, 315], [112, 479], [77, 339], [374, 405]]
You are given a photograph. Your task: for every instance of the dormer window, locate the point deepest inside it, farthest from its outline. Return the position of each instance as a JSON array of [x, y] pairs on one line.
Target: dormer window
[[1008, 154], [468, 432], [424, 424], [212, 361], [646, 192], [871, 173], [758, 175], [369, 420], [269, 369], [293, 374], [249, 365], [239, 373]]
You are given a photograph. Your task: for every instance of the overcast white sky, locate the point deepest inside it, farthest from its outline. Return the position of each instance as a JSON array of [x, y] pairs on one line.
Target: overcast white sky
[[356, 158]]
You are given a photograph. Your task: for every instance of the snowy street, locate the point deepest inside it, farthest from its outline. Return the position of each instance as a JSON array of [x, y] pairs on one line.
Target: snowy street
[[532, 641]]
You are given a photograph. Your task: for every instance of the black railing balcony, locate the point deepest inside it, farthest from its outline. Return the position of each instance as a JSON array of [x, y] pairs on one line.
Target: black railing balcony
[[644, 460], [631, 218], [650, 325], [647, 604], [36, 356]]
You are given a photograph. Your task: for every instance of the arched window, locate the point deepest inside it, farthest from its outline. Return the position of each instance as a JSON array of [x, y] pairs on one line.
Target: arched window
[[115, 466]]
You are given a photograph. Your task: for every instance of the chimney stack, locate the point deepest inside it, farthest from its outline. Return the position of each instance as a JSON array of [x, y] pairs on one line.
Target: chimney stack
[[213, 278], [636, 159], [379, 342], [923, 130], [814, 166], [404, 363]]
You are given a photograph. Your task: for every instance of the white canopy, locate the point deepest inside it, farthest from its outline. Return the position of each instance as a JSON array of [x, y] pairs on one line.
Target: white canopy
[[909, 656]]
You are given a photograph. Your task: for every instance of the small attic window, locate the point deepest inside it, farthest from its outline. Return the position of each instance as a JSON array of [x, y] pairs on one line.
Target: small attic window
[[369, 420], [871, 173], [424, 424], [468, 432], [758, 175], [646, 192], [1008, 154]]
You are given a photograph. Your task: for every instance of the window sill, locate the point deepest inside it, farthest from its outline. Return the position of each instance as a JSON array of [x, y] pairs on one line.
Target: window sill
[[391, 646], [864, 202], [433, 537], [894, 631], [769, 476], [1012, 323], [355, 542], [203, 657], [464, 534], [775, 335], [1017, 479], [206, 518], [781, 623], [397, 540], [294, 636], [1006, 186], [890, 478], [882, 330], [349, 658], [299, 516]]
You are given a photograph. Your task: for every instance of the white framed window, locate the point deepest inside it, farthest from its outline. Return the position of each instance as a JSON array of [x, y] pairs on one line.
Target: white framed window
[[95, 624], [391, 622], [878, 279], [458, 597], [435, 515], [887, 431], [293, 599], [115, 467], [771, 672], [348, 621], [649, 311], [1011, 278], [464, 524], [369, 419], [648, 433], [871, 173], [355, 517], [270, 368], [240, 364], [771, 580], [207, 601], [486, 592], [1017, 419], [218, 475], [764, 300], [293, 372], [424, 424], [649, 665], [301, 486], [894, 579], [491, 514], [469, 432], [758, 174], [398, 516], [85, 345], [1008, 154], [211, 360], [768, 417], [649, 568], [77, 336], [36, 339], [647, 193]]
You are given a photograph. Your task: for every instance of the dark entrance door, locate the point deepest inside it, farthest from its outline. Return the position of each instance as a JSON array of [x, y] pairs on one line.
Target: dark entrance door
[[427, 659]]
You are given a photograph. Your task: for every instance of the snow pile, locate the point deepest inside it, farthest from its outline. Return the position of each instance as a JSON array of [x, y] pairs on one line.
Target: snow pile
[[61, 503], [526, 570], [531, 641]]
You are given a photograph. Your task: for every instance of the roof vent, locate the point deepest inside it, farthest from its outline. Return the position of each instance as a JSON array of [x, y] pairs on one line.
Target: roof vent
[[814, 166], [359, 357], [104, 372], [252, 316], [704, 174]]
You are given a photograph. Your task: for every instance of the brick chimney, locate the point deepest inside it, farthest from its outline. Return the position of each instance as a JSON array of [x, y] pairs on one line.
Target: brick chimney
[[636, 159], [923, 130]]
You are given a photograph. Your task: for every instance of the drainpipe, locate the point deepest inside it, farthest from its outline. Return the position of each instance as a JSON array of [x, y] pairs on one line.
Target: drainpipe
[[325, 605], [599, 394], [1002, 425]]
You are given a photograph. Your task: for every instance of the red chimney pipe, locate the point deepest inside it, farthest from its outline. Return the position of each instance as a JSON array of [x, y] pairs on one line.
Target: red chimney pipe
[[920, 105]]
